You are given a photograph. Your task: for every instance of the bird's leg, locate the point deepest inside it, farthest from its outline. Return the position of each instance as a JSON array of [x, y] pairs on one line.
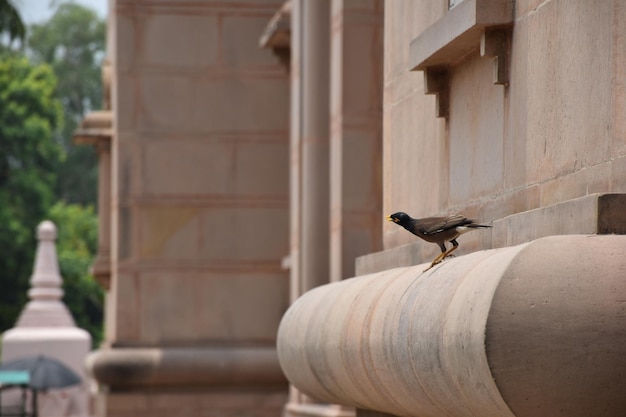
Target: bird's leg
[[455, 245], [440, 257]]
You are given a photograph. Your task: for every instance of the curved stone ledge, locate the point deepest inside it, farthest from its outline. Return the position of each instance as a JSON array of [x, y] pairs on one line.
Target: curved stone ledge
[[535, 330], [123, 368]]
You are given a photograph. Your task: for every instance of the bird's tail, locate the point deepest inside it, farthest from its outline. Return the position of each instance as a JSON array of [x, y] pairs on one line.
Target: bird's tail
[[479, 226]]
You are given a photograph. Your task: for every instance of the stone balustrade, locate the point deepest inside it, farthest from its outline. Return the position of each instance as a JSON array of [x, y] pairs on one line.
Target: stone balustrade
[[535, 330]]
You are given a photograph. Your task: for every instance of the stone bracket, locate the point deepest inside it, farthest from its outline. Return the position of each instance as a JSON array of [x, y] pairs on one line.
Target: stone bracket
[[437, 82], [461, 31], [494, 43]]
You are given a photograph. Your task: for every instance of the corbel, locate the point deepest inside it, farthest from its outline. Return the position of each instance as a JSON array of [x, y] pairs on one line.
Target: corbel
[[437, 82], [494, 44]]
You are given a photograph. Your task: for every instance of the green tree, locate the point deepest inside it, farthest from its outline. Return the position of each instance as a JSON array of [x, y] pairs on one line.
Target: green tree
[[73, 43], [11, 25], [29, 159], [76, 247]]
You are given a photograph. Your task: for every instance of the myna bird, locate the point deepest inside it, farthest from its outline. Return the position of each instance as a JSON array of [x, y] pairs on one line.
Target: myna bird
[[437, 230]]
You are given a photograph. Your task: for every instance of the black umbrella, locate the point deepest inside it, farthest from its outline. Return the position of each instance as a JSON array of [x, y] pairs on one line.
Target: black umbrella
[[45, 372]]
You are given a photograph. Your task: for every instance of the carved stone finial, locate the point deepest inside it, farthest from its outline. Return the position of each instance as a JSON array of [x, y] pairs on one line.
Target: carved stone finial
[[45, 308]]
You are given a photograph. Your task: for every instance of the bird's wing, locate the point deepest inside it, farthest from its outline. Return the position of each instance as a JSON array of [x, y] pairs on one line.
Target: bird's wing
[[437, 224]]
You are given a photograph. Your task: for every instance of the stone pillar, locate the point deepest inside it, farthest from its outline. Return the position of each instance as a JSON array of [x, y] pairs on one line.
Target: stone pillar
[[295, 154], [310, 167], [356, 72], [102, 265], [313, 23], [95, 129], [46, 327]]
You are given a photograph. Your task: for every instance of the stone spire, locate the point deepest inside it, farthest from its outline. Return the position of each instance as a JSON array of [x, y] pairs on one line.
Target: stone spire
[[45, 308]]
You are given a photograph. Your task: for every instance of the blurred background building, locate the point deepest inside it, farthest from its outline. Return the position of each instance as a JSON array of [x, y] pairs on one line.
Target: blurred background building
[[249, 150]]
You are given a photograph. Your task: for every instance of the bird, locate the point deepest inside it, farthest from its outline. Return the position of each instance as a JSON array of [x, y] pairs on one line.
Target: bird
[[437, 230]]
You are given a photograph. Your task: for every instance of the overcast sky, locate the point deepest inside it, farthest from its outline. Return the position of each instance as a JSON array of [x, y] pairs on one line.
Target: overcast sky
[[36, 11]]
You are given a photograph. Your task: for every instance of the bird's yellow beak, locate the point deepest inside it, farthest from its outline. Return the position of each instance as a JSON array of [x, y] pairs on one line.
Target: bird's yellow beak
[[390, 219]]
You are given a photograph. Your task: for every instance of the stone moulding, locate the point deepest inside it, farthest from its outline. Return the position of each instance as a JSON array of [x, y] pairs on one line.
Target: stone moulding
[[129, 368], [483, 25], [96, 126], [531, 330]]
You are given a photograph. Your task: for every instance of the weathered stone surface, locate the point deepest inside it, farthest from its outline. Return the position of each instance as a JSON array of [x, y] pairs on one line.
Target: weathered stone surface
[[534, 330]]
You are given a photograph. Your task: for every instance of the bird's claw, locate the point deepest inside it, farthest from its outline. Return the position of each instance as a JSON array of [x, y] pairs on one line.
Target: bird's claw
[[436, 262]]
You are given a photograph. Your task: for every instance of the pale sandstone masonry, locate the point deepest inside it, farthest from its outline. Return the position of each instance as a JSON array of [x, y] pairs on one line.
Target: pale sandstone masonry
[[513, 114], [555, 133], [222, 164], [199, 210]]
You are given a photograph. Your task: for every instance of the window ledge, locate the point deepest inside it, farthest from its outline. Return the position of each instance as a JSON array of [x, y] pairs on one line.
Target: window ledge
[[458, 32]]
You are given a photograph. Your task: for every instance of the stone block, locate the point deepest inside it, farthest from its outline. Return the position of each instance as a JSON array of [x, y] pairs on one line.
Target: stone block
[[128, 170], [125, 320], [245, 234], [179, 104], [475, 127], [404, 21], [361, 169], [505, 204], [525, 7], [244, 105], [127, 403], [188, 167], [208, 403], [167, 103], [564, 130], [169, 233], [124, 245], [200, 306], [516, 114], [180, 40], [261, 167], [618, 174], [406, 161], [582, 215], [612, 214], [361, 70], [618, 102], [124, 53], [400, 256], [589, 180], [240, 42], [126, 99]]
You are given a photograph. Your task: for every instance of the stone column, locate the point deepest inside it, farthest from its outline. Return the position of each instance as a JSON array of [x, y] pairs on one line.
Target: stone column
[[295, 154], [314, 77], [310, 155], [95, 129], [46, 327], [102, 265], [356, 73]]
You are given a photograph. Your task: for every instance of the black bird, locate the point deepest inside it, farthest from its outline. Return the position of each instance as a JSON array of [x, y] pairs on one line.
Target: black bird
[[437, 230]]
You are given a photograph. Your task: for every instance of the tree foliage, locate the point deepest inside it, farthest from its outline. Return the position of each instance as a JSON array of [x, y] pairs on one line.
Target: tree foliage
[[39, 166], [73, 43], [11, 23], [76, 245], [29, 159]]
